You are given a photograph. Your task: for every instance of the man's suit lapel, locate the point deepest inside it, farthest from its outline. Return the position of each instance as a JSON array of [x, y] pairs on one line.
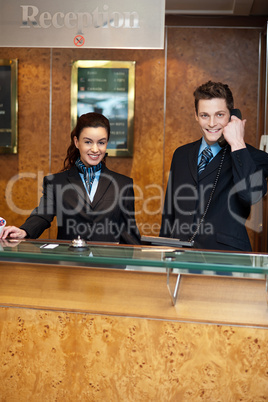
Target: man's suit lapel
[[214, 164], [193, 157]]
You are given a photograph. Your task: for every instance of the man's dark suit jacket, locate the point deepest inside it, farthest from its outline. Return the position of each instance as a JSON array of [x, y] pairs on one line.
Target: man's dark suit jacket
[[109, 218], [242, 182]]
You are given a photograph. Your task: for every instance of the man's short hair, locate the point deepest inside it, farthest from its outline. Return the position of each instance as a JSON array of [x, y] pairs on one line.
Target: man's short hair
[[211, 90]]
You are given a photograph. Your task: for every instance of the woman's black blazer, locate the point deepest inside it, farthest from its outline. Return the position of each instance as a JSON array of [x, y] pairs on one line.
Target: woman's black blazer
[[109, 218]]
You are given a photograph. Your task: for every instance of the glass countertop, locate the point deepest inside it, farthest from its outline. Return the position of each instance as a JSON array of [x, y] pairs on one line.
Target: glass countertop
[[119, 256]]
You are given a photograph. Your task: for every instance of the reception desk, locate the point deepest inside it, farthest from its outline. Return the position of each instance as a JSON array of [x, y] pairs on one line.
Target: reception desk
[[99, 324]]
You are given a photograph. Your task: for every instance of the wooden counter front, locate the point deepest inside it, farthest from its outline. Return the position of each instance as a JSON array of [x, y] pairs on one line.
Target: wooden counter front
[[215, 299], [88, 334]]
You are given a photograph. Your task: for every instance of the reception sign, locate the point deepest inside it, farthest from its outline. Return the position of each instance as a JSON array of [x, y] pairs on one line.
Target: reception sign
[[106, 87], [120, 24], [8, 106]]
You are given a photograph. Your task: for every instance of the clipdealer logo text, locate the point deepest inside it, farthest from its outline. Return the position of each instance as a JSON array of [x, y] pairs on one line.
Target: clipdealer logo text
[[32, 18]]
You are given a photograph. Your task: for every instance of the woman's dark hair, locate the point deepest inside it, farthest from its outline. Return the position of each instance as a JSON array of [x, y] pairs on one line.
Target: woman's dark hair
[[85, 120], [211, 90]]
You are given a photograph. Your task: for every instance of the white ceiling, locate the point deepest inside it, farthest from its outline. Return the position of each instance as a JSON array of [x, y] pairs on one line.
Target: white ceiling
[[218, 7]]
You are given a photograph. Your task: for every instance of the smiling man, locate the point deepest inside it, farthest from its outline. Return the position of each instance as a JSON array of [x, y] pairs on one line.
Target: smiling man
[[214, 181]]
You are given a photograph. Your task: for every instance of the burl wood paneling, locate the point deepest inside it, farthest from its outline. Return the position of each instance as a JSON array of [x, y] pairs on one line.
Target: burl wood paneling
[[48, 356], [198, 55], [21, 174]]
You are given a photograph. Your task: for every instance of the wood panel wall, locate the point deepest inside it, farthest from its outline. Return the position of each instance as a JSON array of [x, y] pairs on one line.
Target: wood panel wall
[[164, 112], [59, 356]]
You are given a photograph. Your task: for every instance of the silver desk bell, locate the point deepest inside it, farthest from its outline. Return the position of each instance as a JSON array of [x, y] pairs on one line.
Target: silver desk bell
[[78, 245]]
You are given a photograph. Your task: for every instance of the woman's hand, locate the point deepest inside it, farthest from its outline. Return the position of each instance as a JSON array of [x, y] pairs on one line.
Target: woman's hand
[[13, 232]]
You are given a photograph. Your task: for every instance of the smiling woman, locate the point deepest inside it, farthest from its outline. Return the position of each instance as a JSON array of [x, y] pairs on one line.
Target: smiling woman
[[92, 145], [87, 198]]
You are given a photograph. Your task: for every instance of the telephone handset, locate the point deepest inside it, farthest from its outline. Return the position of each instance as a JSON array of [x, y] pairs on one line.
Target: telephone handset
[[234, 112]]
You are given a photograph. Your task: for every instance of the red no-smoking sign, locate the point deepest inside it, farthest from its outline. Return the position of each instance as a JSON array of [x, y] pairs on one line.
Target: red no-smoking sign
[[79, 40]]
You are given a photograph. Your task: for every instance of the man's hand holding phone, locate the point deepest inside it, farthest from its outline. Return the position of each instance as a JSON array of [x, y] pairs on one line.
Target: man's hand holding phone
[[234, 133]]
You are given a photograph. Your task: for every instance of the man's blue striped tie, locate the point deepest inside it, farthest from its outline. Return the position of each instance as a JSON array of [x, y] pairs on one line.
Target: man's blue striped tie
[[205, 158]]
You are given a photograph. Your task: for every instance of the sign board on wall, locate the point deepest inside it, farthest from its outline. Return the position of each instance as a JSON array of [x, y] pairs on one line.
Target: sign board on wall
[[120, 24], [106, 87], [8, 106]]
